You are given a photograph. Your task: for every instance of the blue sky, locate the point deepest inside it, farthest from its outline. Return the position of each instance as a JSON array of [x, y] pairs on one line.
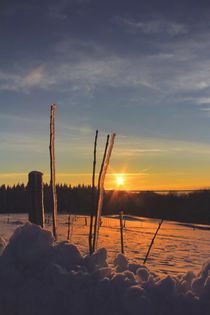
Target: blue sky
[[139, 68]]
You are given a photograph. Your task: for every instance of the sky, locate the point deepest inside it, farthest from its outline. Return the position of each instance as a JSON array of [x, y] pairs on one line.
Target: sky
[[137, 68]]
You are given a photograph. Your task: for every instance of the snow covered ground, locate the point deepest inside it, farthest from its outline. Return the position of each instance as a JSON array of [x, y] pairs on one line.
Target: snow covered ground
[[39, 277], [178, 247]]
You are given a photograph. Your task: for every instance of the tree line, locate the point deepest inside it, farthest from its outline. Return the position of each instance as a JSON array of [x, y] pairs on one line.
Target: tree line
[[186, 207]]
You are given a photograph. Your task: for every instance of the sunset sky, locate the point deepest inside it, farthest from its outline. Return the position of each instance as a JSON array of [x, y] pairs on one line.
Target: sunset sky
[[138, 68]]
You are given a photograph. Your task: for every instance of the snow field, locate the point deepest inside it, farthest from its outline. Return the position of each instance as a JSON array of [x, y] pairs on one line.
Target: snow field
[[178, 247]]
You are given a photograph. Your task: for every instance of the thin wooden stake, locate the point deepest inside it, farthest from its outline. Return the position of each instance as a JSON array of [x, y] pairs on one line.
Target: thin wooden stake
[[150, 247], [69, 227], [52, 169], [93, 195], [124, 221], [102, 164], [121, 232], [97, 221], [105, 164]]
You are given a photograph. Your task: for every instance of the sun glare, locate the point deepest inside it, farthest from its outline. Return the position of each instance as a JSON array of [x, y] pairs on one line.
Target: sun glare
[[120, 181]]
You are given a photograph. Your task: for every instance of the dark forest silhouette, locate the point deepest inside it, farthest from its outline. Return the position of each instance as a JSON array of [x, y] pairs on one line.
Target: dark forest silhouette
[[191, 207]]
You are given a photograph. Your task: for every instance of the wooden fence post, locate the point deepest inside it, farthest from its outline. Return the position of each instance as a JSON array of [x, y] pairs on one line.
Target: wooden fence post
[[35, 189]]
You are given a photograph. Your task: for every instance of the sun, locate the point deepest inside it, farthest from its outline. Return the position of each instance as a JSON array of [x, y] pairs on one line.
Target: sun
[[120, 180]]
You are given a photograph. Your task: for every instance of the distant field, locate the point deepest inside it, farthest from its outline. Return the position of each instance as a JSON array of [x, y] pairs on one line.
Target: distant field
[[177, 248]]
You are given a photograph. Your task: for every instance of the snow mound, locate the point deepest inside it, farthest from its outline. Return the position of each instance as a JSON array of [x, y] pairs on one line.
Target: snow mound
[[38, 276], [27, 245]]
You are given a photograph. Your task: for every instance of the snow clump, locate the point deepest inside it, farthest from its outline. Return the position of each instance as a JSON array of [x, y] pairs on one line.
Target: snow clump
[[38, 276]]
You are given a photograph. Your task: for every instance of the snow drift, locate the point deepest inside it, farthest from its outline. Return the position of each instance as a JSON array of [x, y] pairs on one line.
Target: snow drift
[[38, 276]]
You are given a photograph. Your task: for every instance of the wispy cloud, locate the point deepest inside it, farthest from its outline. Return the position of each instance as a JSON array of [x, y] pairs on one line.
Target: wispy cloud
[[138, 146], [24, 81], [151, 27], [9, 80], [174, 68], [130, 152], [198, 100], [23, 143], [34, 78]]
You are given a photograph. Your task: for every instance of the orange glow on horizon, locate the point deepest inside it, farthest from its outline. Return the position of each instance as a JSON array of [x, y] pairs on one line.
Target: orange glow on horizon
[[123, 181]]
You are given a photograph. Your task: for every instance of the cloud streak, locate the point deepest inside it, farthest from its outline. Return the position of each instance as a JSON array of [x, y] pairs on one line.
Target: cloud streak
[[174, 69], [152, 27], [34, 78]]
